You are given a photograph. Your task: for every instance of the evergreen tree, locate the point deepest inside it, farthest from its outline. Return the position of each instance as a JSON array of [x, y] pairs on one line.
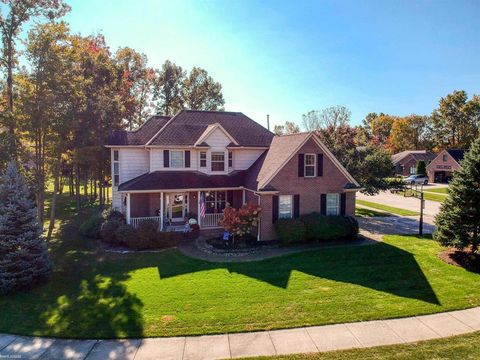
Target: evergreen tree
[[458, 222], [24, 256], [421, 168]]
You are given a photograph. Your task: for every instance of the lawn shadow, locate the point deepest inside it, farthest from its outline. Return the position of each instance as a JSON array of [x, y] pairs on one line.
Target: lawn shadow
[[381, 267]]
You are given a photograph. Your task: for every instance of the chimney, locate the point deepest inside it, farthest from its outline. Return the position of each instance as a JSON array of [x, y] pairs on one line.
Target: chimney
[[268, 122]]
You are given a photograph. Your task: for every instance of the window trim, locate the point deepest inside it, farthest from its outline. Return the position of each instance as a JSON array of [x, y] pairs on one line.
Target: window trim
[[183, 159], [314, 165], [279, 206], [337, 195], [116, 175], [212, 154], [200, 159]]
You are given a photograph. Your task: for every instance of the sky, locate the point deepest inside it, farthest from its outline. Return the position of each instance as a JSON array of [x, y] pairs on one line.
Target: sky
[[285, 58]]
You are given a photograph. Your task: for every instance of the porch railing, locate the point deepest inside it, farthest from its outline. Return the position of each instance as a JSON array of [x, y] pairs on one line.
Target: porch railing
[[211, 220], [135, 221]]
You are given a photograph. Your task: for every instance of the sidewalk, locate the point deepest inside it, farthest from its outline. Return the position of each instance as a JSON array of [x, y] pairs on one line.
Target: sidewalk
[[276, 342]]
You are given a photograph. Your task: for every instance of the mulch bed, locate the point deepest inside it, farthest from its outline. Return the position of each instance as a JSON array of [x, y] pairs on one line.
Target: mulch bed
[[461, 258]]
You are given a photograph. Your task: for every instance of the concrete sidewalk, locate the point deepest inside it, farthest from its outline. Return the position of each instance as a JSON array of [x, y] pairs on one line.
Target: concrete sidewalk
[[300, 340]]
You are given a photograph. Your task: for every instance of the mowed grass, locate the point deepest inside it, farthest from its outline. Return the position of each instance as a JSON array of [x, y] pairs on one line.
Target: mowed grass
[[98, 295], [443, 190], [456, 347], [386, 208], [430, 196], [364, 212]]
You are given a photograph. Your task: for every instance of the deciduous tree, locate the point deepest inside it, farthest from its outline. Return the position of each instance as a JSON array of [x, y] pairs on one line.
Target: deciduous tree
[[286, 129], [168, 88], [201, 92]]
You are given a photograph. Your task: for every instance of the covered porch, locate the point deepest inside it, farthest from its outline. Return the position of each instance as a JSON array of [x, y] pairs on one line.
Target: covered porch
[[172, 209]]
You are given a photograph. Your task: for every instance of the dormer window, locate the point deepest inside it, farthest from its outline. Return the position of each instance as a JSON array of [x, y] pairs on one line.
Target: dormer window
[[176, 158], [218, 161]]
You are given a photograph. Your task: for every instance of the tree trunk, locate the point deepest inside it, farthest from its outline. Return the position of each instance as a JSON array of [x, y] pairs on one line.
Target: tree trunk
[[56, 181], [77, 188]]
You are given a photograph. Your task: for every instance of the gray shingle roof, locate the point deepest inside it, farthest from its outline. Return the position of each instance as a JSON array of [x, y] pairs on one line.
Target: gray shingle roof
[[139, 136], [416, 154]]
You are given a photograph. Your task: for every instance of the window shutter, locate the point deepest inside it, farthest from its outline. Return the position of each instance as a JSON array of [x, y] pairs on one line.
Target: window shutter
[[296, 206], [166, 158], [274, 209], [320, 165], [323, 204], [343, 203], [301, 164], [187, 158]]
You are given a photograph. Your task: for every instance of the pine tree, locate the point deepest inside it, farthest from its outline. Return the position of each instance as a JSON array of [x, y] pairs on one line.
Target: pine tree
[[24, 256], [458, 223], [421, 168]]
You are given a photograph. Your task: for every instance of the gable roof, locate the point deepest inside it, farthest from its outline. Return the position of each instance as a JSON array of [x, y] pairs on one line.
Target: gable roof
[[283, 148], [209, 130], [187, 127], [417, 155], [456, 154], [139, 136]]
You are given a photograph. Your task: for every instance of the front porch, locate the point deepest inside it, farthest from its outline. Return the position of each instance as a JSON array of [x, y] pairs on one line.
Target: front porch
[[173, 209]]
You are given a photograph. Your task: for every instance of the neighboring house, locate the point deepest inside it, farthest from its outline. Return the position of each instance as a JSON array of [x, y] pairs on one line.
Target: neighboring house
[[441, 168], [405, 162], [171, 168]]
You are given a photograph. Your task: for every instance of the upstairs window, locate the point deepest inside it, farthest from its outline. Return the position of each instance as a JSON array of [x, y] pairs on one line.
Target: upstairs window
[[310, 165], [444, 157], [203, 159], [230, 159], [333, 204], [116, 168], [177, 159], [218, 161]]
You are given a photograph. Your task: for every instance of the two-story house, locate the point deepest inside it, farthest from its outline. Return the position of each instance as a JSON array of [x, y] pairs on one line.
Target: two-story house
[[171, 168]]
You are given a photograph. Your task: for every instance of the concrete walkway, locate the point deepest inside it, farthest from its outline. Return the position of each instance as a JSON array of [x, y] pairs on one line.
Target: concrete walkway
[[291, 341]]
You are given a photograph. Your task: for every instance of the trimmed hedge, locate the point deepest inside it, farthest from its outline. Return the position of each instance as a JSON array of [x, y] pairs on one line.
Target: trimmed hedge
[[91, 227], [316, 227]]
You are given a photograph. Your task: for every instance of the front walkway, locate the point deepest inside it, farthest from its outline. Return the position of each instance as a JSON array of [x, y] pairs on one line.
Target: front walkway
[[290, 341]]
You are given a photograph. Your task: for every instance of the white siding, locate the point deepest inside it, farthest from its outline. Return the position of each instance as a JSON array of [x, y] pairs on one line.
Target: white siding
[[244, 158], [156, 162], [133, 163], [217, 140]]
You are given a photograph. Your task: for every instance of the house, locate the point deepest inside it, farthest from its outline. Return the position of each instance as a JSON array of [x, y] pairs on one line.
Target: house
[[440, 170], [405, 162], [170, 168]]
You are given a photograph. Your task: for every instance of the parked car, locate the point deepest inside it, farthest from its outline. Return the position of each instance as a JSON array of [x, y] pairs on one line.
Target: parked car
[[416, 179]]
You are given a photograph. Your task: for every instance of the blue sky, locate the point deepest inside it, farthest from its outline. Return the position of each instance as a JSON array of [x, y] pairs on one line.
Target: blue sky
[[285, 58]]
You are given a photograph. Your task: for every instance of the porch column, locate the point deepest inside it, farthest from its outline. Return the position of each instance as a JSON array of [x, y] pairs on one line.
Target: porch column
[[243, 197], [198, 209], [161, 211], [128, 208]]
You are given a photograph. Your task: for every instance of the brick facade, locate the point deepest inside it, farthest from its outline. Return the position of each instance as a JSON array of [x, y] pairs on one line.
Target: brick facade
[[309, 189], [441, 171]]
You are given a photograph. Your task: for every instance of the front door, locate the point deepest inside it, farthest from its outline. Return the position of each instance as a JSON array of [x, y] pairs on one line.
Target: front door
[[178, 205]]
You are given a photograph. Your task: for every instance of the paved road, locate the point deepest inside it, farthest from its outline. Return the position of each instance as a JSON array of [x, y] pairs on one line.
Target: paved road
[[409, 203], [291, 341]]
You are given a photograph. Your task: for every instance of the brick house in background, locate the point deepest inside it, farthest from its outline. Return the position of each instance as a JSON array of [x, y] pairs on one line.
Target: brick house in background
[[440, 170], [170, 168], [405, 162]]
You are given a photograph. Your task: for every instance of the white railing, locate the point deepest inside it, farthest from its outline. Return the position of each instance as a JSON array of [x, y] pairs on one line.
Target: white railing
[[135, 221], [211, 220]]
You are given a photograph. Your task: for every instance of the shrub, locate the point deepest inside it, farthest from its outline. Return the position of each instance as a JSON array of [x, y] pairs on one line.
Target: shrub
[[291, 230], [330, 228], [126, 234], [111, 214], [108, 230], [91, 227], [169, 239]]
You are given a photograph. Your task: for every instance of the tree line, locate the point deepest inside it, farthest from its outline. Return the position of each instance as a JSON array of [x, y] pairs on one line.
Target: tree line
[[63, 92]]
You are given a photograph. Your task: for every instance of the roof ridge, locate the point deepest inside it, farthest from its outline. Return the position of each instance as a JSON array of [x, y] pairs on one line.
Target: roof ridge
[[213, 111], [299, 133]]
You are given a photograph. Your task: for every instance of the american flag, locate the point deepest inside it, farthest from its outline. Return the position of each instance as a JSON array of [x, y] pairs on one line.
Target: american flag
[[202, 204]]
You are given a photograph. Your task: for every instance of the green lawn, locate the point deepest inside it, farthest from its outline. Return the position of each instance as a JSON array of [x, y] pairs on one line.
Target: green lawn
[[389, 209], [364, 212], [430, 196], [456, 347], [92, 294], [443, 190]]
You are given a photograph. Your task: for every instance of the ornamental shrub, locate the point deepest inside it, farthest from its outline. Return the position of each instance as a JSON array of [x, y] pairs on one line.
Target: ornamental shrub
[[330, 228], [108, 229], [91, 227], [125, 234], [291, 231]]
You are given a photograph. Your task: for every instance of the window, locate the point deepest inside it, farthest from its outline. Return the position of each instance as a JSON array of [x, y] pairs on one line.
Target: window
[[310, 165], [176, 159], [285, 206], [444, 157], [333, 204], [203, 159], [218, 161], [413, 170], [230, 159], [116, 168], [215, 201]]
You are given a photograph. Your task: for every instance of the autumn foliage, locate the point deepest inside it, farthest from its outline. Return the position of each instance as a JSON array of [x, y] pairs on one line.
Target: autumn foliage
[[240, 222]]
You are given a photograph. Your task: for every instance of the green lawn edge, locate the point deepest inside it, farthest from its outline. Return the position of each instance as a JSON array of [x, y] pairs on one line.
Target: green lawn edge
[[389, 209]]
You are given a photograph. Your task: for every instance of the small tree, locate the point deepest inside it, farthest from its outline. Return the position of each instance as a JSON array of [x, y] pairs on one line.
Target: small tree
[[421, 168], [240, 222], [24, 256], [458, 223]]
